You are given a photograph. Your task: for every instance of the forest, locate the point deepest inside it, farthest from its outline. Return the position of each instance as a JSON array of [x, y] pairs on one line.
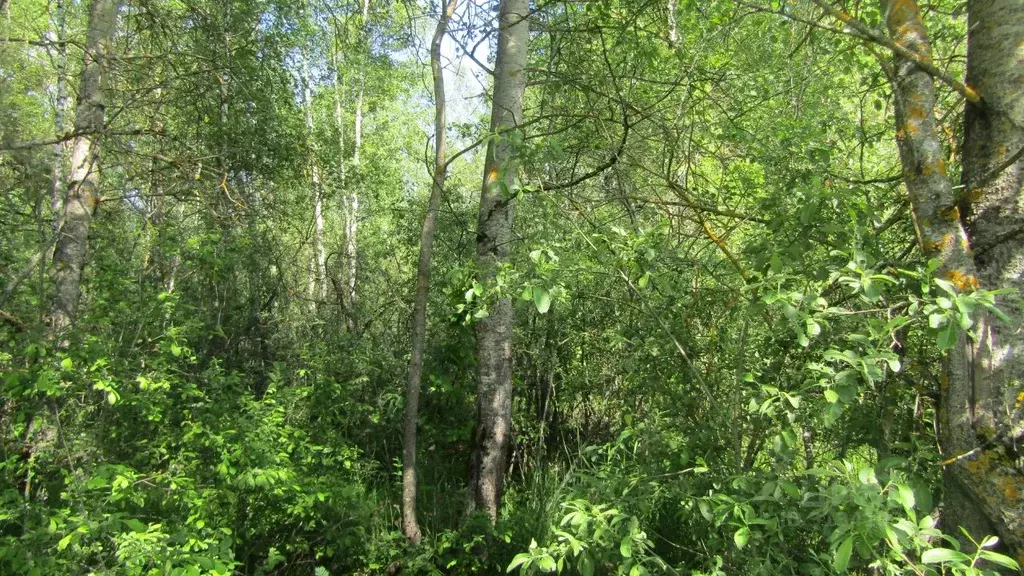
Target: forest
[[581, 287]]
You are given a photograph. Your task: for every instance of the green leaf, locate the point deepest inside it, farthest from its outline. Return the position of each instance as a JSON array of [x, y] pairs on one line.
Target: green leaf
[[542, 299], [67, 364], [989, 542], [894, 364], [626, 547], [842, 556], [586, 565], [870, 289], [893, 539], [741, 537], [705, 510], [134, 525], [831, 396], [519, 559], [642, 282], [947, 337], [64, 542], [813, 328], [905, 496], [1004, 561], [945, 285], [546, 563], [866, 475], [938, 555]]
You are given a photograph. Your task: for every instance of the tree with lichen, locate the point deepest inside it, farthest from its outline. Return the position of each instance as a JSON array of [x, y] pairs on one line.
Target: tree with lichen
[[988, 420], [980, 411]]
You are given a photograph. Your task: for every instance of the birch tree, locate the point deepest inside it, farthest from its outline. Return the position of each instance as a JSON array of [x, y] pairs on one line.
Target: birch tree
[[83, 193], [318, 264]]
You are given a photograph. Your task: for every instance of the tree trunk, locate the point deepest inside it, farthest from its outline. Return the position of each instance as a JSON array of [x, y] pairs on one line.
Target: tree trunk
[[83, 185], [410, 526], [318, 264], [61, 106], [937, 223], [492, 434], [339, 123], [352, 216], [979, 480], [673, 28], [992, 175]]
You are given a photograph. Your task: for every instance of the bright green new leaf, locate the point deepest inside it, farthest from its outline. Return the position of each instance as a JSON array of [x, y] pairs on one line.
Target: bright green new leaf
[[626, 547], [546, 564], [1000, 559], [741, 537], [841, 559], [939, 555], [542, 299]]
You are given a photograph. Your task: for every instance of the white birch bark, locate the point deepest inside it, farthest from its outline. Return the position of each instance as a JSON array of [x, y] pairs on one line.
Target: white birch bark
[[83, 193], [317, 284]]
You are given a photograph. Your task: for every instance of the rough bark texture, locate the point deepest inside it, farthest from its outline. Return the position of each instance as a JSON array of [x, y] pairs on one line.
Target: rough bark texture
[[978, 398], [410, 526], [493, 430], [992, 175], [83, 184]]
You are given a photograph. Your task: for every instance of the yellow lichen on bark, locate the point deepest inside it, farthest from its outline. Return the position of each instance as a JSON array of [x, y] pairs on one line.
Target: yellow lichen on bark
[[916, 112], [963, 282]]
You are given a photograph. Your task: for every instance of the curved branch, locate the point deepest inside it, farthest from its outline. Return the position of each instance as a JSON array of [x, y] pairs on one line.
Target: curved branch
[[611, 161]]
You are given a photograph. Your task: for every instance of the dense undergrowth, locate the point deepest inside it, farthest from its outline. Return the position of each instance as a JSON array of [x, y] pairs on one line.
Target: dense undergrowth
[[168, 460]]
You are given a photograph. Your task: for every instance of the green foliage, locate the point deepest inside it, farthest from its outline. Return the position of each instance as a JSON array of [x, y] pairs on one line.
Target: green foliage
[[727, 347]]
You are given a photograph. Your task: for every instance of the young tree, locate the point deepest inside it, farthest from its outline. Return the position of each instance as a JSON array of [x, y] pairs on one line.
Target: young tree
[[318, 264], [493, 430], [61, 105], [410, 527]]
